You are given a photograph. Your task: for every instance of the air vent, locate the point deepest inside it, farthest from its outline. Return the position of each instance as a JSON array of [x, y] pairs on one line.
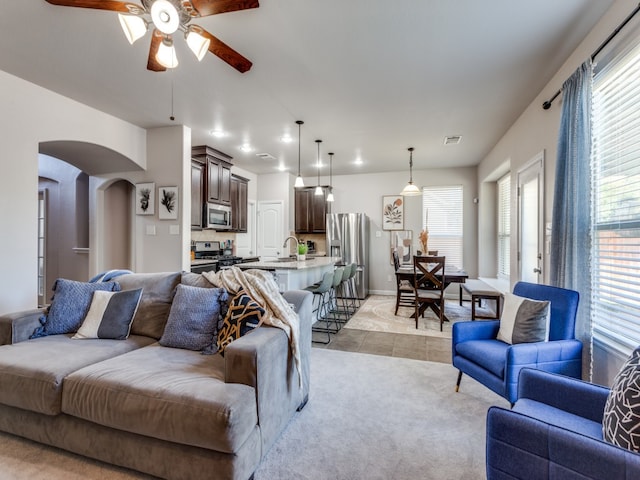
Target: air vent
[[265, 156], [452, 140]]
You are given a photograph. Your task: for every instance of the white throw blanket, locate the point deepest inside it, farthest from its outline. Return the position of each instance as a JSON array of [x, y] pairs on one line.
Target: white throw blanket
[[262, 287]]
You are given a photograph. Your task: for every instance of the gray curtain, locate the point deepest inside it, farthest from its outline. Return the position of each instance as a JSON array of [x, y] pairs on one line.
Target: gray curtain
[[571, 221]]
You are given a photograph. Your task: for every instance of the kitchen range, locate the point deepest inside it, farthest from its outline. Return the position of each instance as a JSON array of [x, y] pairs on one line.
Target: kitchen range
[[212, 256]]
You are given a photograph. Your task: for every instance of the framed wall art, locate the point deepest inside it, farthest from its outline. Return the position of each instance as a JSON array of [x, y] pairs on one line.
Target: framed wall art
[[145, 198], [392, 212], [167, 203]]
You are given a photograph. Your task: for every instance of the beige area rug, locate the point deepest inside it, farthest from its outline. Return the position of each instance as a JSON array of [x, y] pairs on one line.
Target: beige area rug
[[377, 315]]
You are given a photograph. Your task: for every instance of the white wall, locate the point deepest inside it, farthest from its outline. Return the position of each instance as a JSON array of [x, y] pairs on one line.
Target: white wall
[[536, 130], [363, 193], [30, 115]]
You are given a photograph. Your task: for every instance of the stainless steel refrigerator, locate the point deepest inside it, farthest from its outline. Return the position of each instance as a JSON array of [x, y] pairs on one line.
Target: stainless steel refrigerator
[[348, 238]]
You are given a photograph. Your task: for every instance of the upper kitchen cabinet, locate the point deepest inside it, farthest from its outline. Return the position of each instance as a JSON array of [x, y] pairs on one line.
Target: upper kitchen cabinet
[[239, 199], [218, 173], [311, 210], [197, 193]]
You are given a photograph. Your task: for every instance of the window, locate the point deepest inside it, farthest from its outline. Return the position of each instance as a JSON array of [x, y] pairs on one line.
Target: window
[[615, 302], [504, 227], [442, 214]]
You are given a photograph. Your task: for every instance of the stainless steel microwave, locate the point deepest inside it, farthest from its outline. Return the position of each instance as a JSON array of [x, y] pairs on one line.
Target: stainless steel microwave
[[217, 217]]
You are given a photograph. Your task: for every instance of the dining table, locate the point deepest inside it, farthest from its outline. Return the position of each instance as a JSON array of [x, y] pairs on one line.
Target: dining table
[[452, 274]]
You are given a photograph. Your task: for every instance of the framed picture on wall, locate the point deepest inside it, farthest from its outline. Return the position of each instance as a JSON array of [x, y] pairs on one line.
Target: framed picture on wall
[[167, 203], [392, 212], [145, 198]]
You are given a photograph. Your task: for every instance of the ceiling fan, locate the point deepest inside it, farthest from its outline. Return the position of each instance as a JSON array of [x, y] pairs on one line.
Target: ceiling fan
[[166, 17]]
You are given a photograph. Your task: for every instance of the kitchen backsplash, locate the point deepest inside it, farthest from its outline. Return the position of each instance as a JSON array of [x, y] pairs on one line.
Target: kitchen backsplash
[[211, 235]]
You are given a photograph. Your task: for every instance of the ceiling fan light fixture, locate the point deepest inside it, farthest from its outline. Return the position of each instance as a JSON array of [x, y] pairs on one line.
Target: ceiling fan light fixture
[[134, 27], [165, 16], [166, 55], [198, 43]]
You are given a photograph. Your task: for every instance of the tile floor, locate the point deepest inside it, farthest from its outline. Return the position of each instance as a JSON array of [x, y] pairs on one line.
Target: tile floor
[[390, 344]]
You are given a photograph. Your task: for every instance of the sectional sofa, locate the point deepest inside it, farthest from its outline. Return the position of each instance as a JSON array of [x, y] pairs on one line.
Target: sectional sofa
[[170, 412]]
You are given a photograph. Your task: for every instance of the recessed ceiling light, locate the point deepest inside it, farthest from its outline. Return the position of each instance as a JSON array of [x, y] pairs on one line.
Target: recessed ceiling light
[[358, 161], [282, 168], [218, 133], [246, 148], [286, 138]]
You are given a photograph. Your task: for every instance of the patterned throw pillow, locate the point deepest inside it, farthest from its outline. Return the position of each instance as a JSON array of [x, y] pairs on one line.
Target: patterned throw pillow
[[243, 316], [69, 306], [524, 320], [194, 317], [621, 419], [110, 315]]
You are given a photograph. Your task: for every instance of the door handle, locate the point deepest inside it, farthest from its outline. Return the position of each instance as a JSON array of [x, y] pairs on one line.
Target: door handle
[[537, 270]]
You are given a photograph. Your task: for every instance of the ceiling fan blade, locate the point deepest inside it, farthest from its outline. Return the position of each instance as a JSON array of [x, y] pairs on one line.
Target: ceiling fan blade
[[152, 63], [213, 7], [228, 54], [97, 4]]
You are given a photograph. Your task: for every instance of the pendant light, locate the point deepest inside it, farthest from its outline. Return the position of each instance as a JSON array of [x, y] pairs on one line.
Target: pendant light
[[318, 187], [330, 196], [299, 182], [410, 190]]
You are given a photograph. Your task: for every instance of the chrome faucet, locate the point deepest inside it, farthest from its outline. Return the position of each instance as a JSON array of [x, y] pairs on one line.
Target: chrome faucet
[[284, 245]]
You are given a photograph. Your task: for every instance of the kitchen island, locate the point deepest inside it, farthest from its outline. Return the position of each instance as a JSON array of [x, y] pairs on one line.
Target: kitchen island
[[292, 274]]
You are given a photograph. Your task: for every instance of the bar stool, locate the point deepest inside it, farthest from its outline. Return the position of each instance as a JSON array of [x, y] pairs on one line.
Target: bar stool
[[322, 292], [352, 291], [337, 311]]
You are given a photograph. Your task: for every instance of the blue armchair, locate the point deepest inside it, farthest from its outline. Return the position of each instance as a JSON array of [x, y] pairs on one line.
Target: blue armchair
[[554, 431], [496, 364]]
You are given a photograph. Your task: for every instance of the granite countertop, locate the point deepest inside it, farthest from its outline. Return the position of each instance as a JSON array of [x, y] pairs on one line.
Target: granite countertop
[[291, 264], [202, 261]]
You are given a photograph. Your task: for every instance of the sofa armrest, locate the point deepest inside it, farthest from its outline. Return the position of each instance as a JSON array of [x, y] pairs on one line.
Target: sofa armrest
[[302, 302], [17, 327], [565, 393], [526, 448]]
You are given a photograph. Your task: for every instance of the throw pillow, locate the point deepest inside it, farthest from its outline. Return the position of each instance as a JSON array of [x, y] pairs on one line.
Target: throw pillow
[[524, 320], [621, 419], [110, 315], [243, 316], [193, 318], [69, 306]]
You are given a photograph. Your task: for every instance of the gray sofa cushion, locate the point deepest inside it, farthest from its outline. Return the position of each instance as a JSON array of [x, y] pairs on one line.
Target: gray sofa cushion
[[166, 393], [157, 294], [32, 372]]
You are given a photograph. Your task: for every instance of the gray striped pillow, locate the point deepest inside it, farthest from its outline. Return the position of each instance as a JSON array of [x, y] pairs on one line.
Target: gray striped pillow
[[110, 315]]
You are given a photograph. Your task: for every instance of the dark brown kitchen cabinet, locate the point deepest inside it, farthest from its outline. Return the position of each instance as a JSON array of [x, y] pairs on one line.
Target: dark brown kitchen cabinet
[[218, 173], [311, 210], [197, 193], [239, 199]]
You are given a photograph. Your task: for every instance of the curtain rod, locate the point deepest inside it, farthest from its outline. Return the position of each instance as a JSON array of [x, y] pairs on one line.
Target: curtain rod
[[546, 105]]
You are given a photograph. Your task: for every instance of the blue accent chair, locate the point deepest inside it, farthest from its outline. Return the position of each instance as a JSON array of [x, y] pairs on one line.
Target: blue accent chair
[[496, 364], [554, 432]]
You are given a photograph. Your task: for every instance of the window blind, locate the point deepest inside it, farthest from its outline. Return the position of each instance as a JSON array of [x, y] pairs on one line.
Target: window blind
[[615, 302], [442, 215], [504, 227]]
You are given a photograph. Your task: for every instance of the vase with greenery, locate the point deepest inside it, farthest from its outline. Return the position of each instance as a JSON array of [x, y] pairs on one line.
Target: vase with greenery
[[302, 251]]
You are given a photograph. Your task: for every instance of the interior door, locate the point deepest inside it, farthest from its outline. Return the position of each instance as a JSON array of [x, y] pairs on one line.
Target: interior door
[[531, 220], [269, 229]]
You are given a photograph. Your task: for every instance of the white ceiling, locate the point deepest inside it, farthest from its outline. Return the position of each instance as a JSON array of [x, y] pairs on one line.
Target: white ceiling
[[368, 77]]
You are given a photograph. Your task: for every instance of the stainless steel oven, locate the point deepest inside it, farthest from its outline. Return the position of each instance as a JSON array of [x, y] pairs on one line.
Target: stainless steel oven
[[217, 217]]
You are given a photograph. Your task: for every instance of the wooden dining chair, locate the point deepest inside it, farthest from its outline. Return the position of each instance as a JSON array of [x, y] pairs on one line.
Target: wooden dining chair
[[405, 294], [429, 285]]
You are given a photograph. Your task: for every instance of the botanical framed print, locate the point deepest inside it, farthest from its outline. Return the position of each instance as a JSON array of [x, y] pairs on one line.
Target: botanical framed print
[[145, 198], [392, 212], [167, 203]]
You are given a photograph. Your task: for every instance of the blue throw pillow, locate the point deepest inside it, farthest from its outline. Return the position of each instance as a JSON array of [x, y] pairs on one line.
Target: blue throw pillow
[[193, 318], [69, 306]]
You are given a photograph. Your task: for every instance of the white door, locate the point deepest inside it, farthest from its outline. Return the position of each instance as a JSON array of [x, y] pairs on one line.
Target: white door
[[531, 220], [246, 242], [269, 229]]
